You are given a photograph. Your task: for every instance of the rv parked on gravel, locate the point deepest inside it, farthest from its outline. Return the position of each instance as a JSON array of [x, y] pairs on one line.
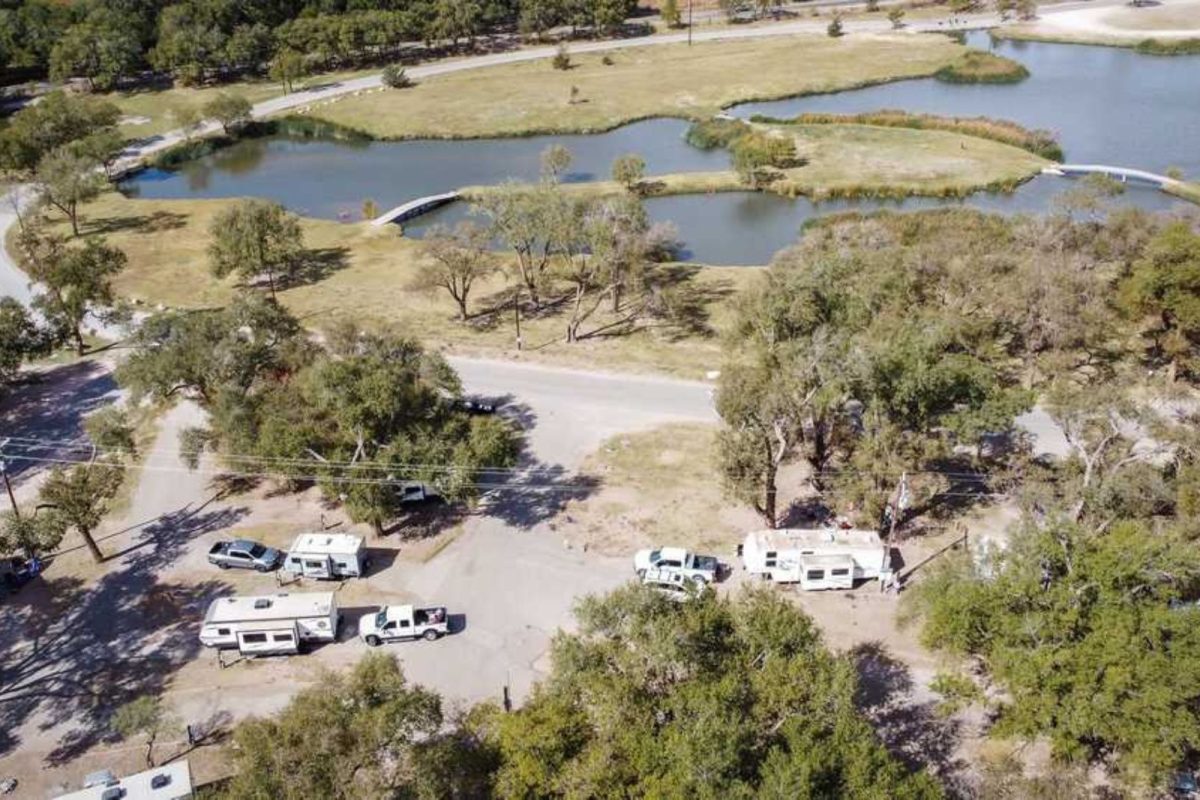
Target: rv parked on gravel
[[277, 624], [823, 558], [327, 555]]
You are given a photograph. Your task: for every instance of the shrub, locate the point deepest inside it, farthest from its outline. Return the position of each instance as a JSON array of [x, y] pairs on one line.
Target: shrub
[[1178, 47], [394, 77], [872, 6], [896, 17], [562, 58], [606, 60], [835, 28], [713, 133], [976, 66]]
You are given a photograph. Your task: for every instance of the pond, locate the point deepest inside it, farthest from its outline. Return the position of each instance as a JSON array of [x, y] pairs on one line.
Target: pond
[[1108, 105]]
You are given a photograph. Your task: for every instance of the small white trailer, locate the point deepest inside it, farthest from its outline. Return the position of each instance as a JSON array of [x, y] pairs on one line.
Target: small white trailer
[[327, 555], [276, 624], [822, 558]]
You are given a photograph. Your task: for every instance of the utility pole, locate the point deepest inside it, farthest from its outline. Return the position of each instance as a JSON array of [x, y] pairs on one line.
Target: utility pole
[[7, 484], [689, 23]]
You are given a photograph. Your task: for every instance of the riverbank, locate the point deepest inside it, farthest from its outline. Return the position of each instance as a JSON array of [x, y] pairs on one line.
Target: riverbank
[[603, 91], [1158, 29], [366, 274]]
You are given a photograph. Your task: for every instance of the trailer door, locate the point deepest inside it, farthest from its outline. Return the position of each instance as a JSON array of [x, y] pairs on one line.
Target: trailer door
[[317, 567]]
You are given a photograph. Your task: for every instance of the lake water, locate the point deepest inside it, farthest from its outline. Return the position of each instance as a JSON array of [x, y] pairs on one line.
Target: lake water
[[1108, 105]]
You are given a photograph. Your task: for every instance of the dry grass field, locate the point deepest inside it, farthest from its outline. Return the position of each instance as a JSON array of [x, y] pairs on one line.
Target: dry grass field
[[664, 80]]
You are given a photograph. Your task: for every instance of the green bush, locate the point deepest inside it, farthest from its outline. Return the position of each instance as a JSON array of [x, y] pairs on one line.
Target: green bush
[[394, 77], [713, 133], [976, 66], [562, 58], [1162, 47]]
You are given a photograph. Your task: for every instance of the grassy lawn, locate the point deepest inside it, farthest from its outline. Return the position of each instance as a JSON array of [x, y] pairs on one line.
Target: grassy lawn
[[369, 278], [664, 80], [658, 487], [157, 106]]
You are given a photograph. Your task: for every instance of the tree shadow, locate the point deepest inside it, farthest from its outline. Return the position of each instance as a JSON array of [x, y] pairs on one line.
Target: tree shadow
[[49, 412], [77, 653], [318, 264], [909, 727], [806, 512], [158, 222], [163, 540]]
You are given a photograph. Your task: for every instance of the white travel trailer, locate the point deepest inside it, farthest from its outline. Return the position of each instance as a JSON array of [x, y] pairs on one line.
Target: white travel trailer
[[276, 624], [169, 782], [825, 558], [327, 555]]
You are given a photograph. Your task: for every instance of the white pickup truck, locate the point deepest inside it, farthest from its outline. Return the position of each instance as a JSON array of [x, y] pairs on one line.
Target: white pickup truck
[[393, 623], [677, 560]]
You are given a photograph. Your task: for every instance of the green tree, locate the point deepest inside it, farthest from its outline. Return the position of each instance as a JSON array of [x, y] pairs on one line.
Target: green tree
[[77, 281], [671, 15], [709, 698], [519, 218], [365, 734], [256, 238], [66, 179], [1163, 288], [555, 161], [1076, 625], [144, 716], [455, 260], [208, 352], [629, 170], [539, 16], [103, 48], [80, 496], [231, 110], [103, 147], [41, 128], [187, 119], [286, 67], [34, 535], [20, 339]]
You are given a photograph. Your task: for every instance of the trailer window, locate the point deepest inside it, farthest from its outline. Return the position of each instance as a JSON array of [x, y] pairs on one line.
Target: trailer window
[[222, 631], [840, 572], [314, 564], [283, 637], [770, 562], [342, 564], [254, 638], [815, 575]]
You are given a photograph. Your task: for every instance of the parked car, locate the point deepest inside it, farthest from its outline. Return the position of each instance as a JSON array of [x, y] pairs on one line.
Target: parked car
[[473, 405], [244, 554], [393, 623], [417, 492], [16, 572], [676, 559], [674, 584]]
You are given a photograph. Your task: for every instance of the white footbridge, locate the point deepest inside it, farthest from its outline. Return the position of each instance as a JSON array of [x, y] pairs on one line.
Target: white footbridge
[[1123, 174], [414, 208]]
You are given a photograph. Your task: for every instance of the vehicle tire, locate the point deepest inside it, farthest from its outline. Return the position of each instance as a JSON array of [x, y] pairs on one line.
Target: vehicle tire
[[430, 636], [222, 565], [260, 567], [641, 573], [373, 641]]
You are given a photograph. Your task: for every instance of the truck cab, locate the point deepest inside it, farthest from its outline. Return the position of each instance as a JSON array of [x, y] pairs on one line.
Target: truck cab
[[676, 559], [395, 623]]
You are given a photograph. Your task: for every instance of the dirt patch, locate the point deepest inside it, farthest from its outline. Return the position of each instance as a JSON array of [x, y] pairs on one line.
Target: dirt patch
[[657, 487]]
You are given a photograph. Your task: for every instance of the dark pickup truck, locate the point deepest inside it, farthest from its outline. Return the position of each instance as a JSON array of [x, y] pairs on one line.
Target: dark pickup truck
[[245, 554]]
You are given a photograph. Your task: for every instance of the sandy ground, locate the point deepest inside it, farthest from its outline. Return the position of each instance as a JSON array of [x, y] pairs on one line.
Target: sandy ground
[[1171, 19]]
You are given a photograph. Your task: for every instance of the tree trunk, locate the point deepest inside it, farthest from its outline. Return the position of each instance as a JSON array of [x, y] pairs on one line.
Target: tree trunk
[[462, 308], [73, 214], [97, 556], [80, 347], [769, 499], [377, 524], [150, 751], [271, 283]]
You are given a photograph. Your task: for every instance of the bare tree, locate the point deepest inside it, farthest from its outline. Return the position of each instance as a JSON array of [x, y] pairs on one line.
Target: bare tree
[[454, 260]]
